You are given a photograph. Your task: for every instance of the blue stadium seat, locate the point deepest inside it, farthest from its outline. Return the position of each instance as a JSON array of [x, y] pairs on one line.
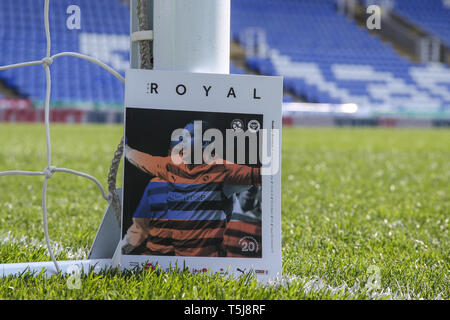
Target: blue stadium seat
[[432, 16], [325, 57], [74, 81]]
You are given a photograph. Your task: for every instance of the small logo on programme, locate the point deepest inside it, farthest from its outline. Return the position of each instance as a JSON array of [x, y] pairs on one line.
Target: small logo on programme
[[253, 126], [237, 125]]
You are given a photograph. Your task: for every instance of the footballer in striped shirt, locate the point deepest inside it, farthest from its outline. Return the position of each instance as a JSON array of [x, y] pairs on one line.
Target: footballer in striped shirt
[[186, 207]]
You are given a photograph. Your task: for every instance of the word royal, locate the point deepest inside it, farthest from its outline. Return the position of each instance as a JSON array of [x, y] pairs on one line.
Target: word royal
[[181, 89]]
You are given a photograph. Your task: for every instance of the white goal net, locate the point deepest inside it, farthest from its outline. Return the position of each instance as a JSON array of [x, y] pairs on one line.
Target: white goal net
[[49, 170]]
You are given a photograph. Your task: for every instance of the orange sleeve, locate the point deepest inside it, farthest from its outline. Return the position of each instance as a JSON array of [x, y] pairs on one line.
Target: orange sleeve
[[242, 175], [155, 166]]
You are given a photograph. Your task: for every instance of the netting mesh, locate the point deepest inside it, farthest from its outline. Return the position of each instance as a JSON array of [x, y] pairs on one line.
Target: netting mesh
[[48, 172]]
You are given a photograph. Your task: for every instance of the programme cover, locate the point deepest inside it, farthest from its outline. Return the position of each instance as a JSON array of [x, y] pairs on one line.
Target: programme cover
[[202, 186]]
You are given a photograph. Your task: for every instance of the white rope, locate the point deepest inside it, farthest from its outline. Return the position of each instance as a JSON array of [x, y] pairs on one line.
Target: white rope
[[48, 173], [23, 64], [93, 60], [47, 28], [50, 170], [85, 175], [47, 114], [20, 173], [45, 223]]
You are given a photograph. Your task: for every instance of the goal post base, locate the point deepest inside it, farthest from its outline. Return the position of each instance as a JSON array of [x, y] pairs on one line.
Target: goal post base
[[108, 234]]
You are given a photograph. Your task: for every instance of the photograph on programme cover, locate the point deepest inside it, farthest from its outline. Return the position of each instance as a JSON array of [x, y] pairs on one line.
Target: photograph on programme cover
[[191, 194]]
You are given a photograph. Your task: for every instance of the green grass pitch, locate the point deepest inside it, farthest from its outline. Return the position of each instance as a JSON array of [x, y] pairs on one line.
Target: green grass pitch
[[357, 205]]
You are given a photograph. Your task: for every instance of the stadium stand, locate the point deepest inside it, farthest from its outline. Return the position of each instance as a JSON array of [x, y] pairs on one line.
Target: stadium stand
[[328, 58], [236, 70], [432, 16], [104, 34], [323, 56], [76, 83]]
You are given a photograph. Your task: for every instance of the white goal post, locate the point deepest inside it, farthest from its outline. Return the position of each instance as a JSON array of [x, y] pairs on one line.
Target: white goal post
[[188, 35]]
